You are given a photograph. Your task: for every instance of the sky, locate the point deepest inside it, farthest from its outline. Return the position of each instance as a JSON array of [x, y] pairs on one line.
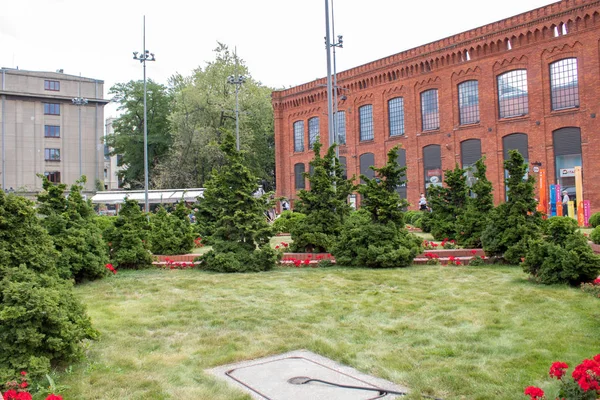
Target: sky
[[281, 41]]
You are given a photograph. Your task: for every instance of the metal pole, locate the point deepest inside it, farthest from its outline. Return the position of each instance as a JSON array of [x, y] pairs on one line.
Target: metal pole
[[79, 113], [147, 209], [3, 131], [329, 93], [237, 111], [335, 96]]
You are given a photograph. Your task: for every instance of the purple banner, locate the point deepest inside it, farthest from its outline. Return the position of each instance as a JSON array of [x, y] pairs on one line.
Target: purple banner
[[587, 208]]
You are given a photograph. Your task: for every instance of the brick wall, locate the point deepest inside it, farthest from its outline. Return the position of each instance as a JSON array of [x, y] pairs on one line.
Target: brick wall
[[480, 54]]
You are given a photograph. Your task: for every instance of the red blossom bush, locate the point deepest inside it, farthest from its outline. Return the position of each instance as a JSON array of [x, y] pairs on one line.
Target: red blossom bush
[[19, 390], [584, 383]]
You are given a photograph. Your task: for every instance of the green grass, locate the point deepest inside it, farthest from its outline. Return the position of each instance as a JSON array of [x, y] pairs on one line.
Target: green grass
[[456, 333]]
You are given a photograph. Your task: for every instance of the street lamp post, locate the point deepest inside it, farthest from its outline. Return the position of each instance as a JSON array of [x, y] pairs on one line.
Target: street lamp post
[[142, 58], [79, 102], [236, 80]]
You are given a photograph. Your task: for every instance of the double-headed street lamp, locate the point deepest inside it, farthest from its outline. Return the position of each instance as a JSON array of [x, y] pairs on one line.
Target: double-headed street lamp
[[236, 80], [143, 57], [79, 102]]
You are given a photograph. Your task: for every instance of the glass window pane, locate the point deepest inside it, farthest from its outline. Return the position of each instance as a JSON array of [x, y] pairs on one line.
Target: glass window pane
[[429, 110], [299, 136], [513, 98], [564, 84], [313, 131], [366, 122], [468, 102], [341, 127], [396, 116]]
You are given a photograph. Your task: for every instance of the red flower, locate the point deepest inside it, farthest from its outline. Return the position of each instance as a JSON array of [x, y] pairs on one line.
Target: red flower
[[597, 281], [23, 396], [534, 393], [473, 251], [54, 397], [111, 268], [23, 385], [10, 394], [557, 369], [276, 247], [284, 244], [306, 262], [23, 373], [586, 373]]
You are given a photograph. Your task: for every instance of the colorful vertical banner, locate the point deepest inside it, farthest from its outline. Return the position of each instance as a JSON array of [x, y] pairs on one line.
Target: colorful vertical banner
[[552, 211], [559, 206], [579, 195], [543, 186], [587, 211], [571, 208]]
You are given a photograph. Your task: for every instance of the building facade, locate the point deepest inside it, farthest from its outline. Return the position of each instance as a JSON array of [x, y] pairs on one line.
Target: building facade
[[530, 82], [45, 132], [111, 167]]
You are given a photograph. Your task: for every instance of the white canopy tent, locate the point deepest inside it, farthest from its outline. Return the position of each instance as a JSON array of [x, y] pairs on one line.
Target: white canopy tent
[[154, 196]]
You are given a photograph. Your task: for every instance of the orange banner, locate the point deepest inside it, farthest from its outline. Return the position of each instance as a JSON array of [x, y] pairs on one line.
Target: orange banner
[[543, 197]]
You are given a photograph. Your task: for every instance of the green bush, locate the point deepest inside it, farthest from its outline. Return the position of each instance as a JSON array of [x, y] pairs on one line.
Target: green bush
[[562, 255], [363, 243], [83, 252], [234, 257], [287, 221], [448, 204], [41, 321], [411, 216], [129, 238], [104, 222], [170, 233], [594, 220], [595, 235]]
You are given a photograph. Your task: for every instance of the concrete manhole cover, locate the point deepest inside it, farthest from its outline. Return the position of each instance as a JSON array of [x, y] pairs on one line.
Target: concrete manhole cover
[[304, 375]]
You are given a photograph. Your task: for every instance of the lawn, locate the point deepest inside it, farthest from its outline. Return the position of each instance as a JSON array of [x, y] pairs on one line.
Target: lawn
[[453, 332]]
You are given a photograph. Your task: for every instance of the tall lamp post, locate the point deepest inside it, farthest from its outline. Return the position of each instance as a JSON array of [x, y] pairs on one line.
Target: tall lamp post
[[236, 80], [142, 58], [79, 102]]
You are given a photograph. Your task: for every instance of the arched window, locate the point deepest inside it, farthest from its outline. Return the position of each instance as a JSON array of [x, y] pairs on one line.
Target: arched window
[[567, 156], [401, 160], [468, 102], [299, 176], [313, 131], [430, 116], [366, 160], [519, 142], [513, 99], [396, 116], [344, 167], [470, 152], [365, 116], [564, 84], [432, 165], [298, 136], [341, 127]]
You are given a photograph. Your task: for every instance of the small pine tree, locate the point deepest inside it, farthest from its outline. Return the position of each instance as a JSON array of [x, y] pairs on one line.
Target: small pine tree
[[376, 236], [448, 204], [83, 253], [325, 204], [239, 232], [473, 221], [562, 255], [41, 321], [512, 225], [128, 238], [170, 234]]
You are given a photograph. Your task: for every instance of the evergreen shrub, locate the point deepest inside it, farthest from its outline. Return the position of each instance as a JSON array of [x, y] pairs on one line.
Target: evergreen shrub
[[129, 247], [562, 255], [171, 233], [287, 221], [595, 235], [41, 322], [594, 220], [448, 204]]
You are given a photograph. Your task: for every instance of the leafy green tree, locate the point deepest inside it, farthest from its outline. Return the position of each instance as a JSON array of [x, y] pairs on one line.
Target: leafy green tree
[[128, 138], [448, 204], [128, 238], [512, 225], [83, 252], [562, 255], [376, 236], [239, 231], [205, 109], [170, 234], [41, 321], [473, 221], [325, 204]]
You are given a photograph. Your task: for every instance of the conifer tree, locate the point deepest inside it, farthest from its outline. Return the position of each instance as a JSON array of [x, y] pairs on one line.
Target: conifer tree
[[235, 212], [41, 321], [325, 204], [170, 233], [376, 236], [448, 204], [83, 252], [514, 224], [128, 239], [473, 221]]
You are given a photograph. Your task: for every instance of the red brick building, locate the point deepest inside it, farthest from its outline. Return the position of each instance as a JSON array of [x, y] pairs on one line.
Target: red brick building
[[530, 82]]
